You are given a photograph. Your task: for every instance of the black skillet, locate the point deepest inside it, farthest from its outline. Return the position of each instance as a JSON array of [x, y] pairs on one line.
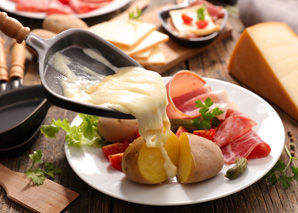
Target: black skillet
[[22, 108], [70, 43]]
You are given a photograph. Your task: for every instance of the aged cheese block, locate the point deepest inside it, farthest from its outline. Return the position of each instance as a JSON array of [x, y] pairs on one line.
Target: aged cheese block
[[266, 60]]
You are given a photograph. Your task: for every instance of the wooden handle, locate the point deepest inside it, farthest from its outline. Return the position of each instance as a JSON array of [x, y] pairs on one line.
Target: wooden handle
[[18, 56], [13, 28], [3, 66]]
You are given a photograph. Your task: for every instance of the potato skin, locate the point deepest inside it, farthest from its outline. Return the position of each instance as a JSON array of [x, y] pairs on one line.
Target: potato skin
[[130, 166], [207, 159], [117, 130], [58, 23]]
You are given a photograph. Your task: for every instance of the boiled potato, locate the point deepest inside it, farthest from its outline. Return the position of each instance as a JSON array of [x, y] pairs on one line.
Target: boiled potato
[[58, 23], [200, 159], [118, 130], [144, 164]]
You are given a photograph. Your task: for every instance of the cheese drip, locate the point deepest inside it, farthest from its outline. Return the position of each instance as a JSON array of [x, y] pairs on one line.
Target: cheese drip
[[132, 90]]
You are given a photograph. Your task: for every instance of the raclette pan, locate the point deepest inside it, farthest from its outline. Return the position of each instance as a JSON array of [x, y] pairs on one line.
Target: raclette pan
[[71, 42]]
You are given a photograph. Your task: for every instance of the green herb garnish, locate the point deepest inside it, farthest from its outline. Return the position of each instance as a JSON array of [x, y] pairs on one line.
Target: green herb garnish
[[208, 117], [85, 133], [39, 175], [135, 15], [278, 173], [200, 13]]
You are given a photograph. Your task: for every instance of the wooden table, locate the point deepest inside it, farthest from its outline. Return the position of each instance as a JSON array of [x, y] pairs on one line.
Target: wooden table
[[260, 197]]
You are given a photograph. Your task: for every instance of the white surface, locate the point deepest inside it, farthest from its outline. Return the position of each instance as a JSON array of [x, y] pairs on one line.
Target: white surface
[[9, 6], [91, 165]]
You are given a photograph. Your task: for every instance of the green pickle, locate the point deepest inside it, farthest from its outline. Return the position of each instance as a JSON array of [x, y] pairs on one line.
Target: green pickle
[[238, 169], [186, 123]]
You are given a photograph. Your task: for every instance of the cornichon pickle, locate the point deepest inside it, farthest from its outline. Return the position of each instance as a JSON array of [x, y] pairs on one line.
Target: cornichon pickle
[[186, 123], [238, 169]]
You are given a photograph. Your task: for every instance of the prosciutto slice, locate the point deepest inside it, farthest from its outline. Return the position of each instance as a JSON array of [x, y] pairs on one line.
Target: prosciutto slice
[[248, 145], [235, 125]]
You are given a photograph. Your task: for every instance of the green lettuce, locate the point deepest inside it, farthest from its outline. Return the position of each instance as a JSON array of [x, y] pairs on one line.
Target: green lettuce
[[84, 134]]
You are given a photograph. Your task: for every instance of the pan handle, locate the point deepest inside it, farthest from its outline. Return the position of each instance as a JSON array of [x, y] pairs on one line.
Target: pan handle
[[18, 57], [13, 28], [3, 66]]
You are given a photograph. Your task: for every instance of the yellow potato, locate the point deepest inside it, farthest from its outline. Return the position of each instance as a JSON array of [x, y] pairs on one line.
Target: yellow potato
[[118, 130], [200, 159], [144, 164], [58, 23]]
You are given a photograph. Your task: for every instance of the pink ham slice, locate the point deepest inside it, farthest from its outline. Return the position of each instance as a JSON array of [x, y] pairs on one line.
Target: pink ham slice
[[235, 125], [57, 7], [249, 145], [183, 86]]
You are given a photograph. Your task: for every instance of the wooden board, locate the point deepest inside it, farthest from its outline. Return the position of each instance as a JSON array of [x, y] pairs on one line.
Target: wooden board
[[174, 52]]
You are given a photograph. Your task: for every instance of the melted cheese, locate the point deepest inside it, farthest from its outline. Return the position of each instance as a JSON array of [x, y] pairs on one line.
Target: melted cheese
[[186, 30], [266, 60], [132, 90]]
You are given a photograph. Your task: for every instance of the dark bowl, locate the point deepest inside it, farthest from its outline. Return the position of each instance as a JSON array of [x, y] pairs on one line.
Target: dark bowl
[[164, 15]]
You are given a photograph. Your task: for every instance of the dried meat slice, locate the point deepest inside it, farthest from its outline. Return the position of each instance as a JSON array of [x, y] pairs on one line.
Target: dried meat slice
[[57, 7], [249, 145], [85, 7], [32, 5], [235, 125]]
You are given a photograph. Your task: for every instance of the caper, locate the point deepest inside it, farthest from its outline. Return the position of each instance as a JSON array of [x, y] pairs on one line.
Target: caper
[[186, 123], [238, 169]]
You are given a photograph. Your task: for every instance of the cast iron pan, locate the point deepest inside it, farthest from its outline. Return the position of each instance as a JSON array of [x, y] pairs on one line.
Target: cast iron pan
[[22, 108], [69, 42]]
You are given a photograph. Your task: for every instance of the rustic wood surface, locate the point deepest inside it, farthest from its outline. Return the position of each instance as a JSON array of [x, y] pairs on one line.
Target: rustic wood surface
[[260, 197]]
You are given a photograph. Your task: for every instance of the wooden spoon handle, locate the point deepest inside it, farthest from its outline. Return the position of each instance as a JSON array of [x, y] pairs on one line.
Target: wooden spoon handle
[[3, 66], [13, 28], [18, 56]]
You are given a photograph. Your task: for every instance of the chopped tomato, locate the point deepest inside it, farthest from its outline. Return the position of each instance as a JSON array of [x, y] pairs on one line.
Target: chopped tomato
[[201, 24], [209, 134], [115, 148], [180, 130], [187, 19], [116, 160], [64, 1]]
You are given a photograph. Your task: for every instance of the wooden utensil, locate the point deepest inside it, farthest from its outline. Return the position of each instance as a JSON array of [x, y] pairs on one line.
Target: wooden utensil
[[49, 197]]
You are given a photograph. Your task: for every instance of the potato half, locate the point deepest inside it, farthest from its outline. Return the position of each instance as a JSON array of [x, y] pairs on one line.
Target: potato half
[[200, 159], [144, 164], [118, 130]]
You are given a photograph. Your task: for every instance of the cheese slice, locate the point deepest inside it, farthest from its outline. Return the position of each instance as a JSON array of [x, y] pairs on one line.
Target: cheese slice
[[156, 58], [123, 33], [185, 29], [266, 59], [150, 41], [143, 55]]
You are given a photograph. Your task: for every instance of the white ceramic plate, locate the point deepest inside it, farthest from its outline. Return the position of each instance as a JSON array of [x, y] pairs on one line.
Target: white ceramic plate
[[91, 165], [9, 6]]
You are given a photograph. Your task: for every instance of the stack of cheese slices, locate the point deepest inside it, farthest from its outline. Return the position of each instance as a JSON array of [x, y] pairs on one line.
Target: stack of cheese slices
[[136, 38]]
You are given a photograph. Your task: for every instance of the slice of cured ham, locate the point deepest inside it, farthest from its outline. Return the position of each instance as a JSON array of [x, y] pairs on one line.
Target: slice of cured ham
[[235, 125], [249, 145]]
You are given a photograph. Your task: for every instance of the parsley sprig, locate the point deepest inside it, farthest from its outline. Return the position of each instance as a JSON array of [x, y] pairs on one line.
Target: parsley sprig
[[278, 173], [200, 13], [135, 15], [208, 117], [39, 175]]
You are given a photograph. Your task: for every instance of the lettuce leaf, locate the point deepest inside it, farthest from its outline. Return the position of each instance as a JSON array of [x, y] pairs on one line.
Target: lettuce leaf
[[84, 134]]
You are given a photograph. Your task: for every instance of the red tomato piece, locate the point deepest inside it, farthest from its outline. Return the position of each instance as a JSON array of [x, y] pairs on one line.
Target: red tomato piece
[[116, 160], [209, 134], [180, 130], [64, 1], [186, 19], [115, 148], [201, 24]]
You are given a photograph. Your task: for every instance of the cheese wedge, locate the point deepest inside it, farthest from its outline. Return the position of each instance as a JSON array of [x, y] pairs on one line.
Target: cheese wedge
[[184, 29], [156, 58], [147, 43], [123, 33], [266, 60]]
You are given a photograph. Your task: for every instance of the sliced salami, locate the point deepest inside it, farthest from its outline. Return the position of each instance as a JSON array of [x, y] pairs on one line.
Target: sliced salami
[[235, 125]]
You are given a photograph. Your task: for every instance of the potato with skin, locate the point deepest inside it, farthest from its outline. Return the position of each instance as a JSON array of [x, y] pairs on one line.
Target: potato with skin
[[144, 164], [118, 130], [200, 159], [58, 23]]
